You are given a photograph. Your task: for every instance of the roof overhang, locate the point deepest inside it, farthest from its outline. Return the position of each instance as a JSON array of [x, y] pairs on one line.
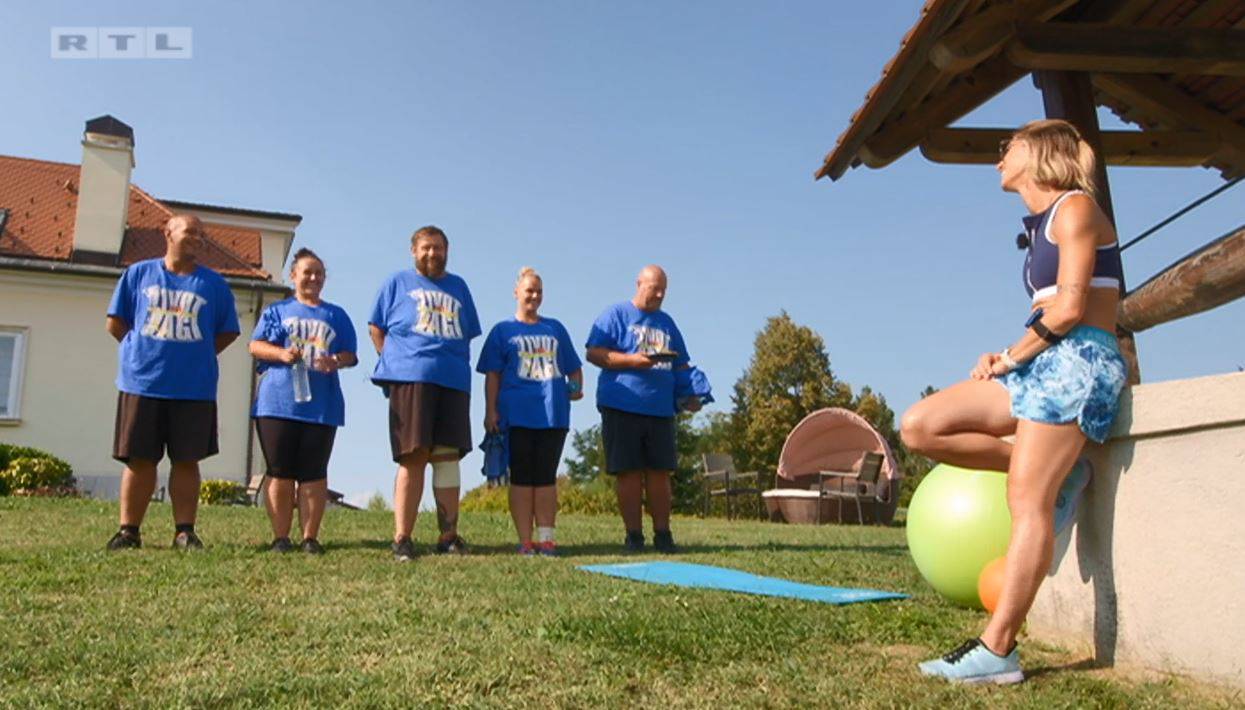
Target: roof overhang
[[1174, 69], [54, 266]]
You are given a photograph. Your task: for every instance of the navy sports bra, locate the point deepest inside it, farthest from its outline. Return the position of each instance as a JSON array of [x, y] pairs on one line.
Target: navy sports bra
[[1042, 260]]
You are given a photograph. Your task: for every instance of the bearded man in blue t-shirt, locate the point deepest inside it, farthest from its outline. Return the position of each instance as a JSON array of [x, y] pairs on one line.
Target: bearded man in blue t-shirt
[[422, 325], [638, 347], [172, 317]]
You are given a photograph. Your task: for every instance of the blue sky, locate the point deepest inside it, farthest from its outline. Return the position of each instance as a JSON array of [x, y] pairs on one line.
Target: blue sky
[[587, 139]]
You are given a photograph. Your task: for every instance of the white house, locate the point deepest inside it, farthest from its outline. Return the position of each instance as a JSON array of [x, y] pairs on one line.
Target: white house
[[66, 233]]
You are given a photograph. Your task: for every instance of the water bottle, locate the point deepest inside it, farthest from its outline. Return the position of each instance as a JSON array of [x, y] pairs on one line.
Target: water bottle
[[302, 381]]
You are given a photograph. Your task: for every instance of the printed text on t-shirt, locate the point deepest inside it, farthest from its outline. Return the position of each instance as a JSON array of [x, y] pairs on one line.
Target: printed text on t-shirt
[[438, 314], [173, 315], [313, 337], [538, 357], [650, 341]]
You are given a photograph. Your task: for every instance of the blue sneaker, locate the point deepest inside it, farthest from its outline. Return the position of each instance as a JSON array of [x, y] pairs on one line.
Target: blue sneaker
[[1070, 494], [972, 662]]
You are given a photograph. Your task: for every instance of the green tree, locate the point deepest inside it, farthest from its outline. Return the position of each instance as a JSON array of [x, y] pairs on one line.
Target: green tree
[[915, 466], [685, 483], [588, 460], [788, 378], [697, 435], [586, 463], [377, 503], [872, 406]]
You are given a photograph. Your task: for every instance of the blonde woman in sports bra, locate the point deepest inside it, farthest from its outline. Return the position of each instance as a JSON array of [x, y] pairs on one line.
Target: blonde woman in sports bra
[[1053, 388]]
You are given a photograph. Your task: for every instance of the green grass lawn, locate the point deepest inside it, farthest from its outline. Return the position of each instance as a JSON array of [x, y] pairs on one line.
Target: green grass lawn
[[236, 626]]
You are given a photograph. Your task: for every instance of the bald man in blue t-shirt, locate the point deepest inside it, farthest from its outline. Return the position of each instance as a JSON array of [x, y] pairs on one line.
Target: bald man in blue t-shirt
[[172, 317], [638, 347]]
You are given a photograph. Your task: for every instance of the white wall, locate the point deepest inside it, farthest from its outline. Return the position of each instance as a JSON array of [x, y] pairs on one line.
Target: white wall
[[68, 401], [1153, 573]]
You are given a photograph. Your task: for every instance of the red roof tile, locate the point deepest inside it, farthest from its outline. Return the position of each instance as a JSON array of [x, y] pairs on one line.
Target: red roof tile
[[42, 199]]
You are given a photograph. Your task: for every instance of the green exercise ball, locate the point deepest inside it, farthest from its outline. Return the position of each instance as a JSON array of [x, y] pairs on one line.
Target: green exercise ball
[[957, 523]]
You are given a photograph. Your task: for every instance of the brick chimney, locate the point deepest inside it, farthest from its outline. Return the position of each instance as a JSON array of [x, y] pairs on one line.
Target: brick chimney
[[103, 191]]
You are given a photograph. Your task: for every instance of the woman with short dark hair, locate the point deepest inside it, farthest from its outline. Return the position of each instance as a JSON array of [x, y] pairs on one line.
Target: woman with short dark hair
[[300, 343]]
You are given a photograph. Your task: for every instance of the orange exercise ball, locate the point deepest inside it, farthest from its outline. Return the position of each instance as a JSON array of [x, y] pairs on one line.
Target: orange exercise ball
[[990, 583]]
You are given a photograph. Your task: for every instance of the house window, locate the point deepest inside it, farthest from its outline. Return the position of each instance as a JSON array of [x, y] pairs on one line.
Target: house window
[[12, 356]]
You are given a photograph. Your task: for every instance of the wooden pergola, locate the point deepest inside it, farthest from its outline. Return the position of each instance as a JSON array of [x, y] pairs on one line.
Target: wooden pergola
[[1173, 68]]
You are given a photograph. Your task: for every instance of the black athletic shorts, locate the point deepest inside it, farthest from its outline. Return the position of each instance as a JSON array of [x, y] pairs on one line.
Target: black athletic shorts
[[637, 442], [294, 450], [535, 455], [146, 426], [423, 415]]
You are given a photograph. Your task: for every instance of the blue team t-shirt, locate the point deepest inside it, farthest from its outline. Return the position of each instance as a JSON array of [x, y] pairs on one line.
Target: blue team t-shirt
[[534, 360], [626, 328], [318, 330], [428, 325], [170, 349]]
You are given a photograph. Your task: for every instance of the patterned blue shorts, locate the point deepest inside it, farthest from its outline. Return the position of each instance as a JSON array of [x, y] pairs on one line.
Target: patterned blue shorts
[[1078, 379]]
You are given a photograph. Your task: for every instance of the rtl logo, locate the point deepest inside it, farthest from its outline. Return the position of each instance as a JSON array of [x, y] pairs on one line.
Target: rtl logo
[[121, 43]]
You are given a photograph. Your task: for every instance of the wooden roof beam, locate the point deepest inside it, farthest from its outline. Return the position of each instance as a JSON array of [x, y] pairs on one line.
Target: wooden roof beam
[[1068, 46], [969, 92], [981, 35], [1209, 277], [980, 146], [1169, 105]]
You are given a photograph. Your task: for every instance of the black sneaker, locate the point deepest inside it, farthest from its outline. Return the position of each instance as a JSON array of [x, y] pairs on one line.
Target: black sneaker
[[281, 544], [663, 542], [455, 545], [312, 546], [124, 541], [187, 542], [403, 550], [635, 541]]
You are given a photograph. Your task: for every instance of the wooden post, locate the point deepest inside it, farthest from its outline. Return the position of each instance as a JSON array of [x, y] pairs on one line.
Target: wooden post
[[1070, 96]]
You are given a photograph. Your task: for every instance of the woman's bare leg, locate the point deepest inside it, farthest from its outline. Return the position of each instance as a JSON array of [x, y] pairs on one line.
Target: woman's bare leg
[[279, 499], [546, 505], [1041, 458], [521, 503], [962, 425], [313, 497]]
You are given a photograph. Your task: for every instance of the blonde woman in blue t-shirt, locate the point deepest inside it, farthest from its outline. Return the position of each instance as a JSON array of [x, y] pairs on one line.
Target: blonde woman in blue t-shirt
[[531, 375]]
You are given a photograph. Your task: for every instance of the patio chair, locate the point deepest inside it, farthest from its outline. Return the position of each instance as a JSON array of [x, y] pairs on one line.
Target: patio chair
[[855, 486], [720, 469]]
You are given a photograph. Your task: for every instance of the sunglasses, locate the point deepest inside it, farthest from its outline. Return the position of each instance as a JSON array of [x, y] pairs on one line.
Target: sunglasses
[[1004, 145]]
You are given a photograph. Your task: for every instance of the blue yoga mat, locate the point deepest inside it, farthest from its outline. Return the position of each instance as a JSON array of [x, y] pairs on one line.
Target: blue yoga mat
[[685, 574]]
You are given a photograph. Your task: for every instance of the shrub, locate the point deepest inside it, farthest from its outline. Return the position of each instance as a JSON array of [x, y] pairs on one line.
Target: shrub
[[215, 491], [483, 499], [49, 492], [377, 503], [25, 469], [594, 497], [8, 452]]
